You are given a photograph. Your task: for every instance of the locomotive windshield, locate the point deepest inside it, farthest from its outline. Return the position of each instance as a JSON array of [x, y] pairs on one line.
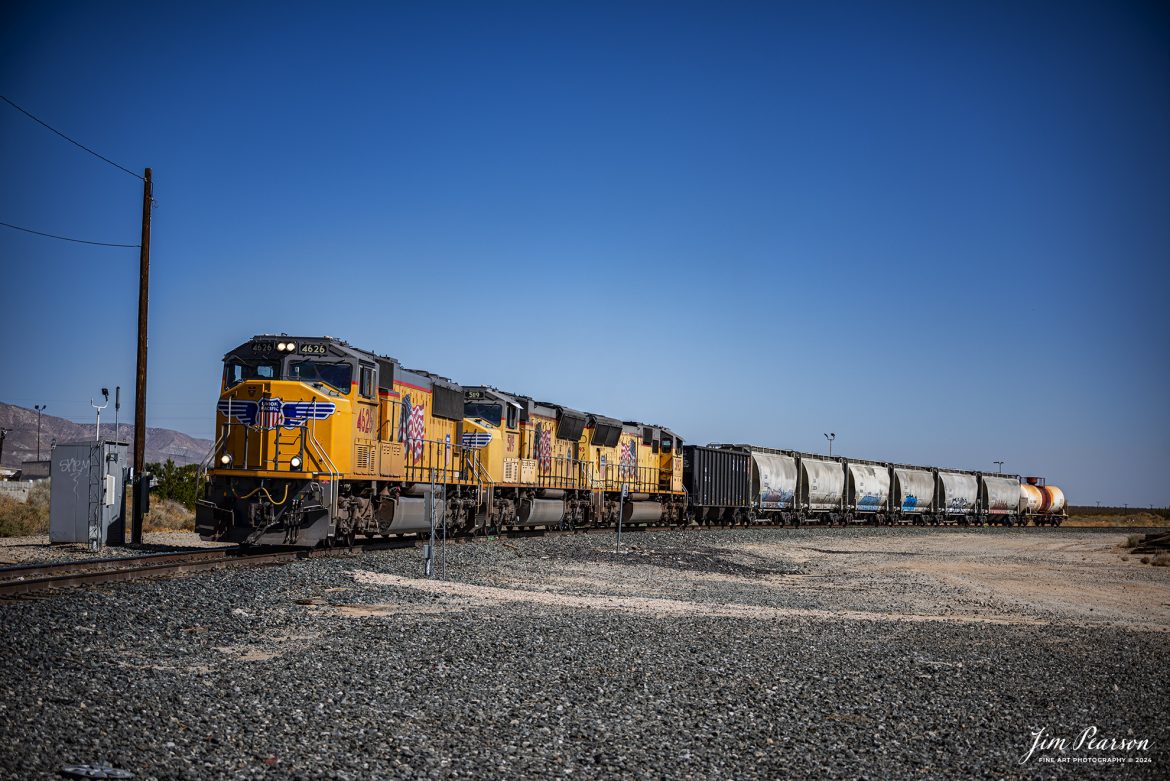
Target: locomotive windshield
[[236, 372], [479, 409], [336, 375]]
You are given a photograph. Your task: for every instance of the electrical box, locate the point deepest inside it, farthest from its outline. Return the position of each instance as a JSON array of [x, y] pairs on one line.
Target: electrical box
[[110, 487], [87, 496]]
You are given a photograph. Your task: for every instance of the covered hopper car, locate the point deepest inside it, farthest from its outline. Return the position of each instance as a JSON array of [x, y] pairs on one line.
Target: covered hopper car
[[790, 487]]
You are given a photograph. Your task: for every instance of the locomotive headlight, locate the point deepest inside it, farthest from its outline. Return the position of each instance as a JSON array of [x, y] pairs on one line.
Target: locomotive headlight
[[280, 347], [295, 462], [226, 459], [291, 347]]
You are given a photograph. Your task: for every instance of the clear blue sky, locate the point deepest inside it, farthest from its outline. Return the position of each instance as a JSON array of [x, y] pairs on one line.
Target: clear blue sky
[[941, 230]]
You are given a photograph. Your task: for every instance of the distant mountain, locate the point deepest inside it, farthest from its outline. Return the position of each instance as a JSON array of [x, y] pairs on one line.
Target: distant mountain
[[21, 442]]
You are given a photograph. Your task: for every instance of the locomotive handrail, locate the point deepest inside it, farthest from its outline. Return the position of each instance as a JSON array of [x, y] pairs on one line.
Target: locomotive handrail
[[205, 464], [323, 458], [482, 476]]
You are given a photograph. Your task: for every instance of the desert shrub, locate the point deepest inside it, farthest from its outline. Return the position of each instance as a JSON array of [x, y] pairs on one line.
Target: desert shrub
[[1161, 560], [177, 483], [168, 515], [22, 519], [1133, 540]]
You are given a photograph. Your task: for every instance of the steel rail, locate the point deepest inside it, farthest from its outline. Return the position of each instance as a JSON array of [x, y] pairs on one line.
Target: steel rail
[[21, 580], [41, 569]]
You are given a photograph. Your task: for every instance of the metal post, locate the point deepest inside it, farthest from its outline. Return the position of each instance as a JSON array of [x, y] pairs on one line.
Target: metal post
[[831, 437], [117, 407], [998, 467], [621, 507], [3, 435], [106, 394], [429, 560], [39, 408], [140, 375], [443, 549]]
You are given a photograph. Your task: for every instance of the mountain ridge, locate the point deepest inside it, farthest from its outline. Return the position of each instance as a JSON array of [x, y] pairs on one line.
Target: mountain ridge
[[20, 444]]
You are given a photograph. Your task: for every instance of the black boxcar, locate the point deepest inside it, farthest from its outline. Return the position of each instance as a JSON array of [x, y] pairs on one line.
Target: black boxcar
[[718, 483]]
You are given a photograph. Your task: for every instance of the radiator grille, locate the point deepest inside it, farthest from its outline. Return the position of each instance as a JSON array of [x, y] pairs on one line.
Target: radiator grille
[[365, 459]]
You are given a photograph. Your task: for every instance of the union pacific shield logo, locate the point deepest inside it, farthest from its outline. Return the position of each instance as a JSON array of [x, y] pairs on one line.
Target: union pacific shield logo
[[271, 413]]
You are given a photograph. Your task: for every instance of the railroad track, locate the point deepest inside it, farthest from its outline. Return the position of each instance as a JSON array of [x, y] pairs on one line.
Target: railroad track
[[32, 578]]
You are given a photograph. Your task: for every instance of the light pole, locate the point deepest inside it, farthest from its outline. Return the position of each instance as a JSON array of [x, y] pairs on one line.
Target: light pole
[[3, 435], [999, 467], [39, 408], [106, 394], [831, 437]]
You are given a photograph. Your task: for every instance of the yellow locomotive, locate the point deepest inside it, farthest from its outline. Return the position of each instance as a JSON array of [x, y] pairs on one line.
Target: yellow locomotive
[[318, 441]]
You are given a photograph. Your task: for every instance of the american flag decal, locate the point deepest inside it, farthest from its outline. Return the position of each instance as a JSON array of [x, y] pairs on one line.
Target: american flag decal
[[544, 446], [416, 431], [628, 464]]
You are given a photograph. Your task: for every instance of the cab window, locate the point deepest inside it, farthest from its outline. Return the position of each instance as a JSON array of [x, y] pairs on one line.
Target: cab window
[[237, 371], [366, 386], [336, 375], [513, 416], [478, 409]]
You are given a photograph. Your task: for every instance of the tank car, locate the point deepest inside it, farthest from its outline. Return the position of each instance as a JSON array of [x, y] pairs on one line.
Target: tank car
[[1041, 503]]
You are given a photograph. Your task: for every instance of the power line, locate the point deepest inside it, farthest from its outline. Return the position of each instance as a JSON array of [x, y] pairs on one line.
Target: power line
[[75, 143], [66, 238]]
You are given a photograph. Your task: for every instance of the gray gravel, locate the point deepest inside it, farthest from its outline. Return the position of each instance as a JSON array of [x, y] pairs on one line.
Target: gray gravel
[[302, 672], [36, 549]]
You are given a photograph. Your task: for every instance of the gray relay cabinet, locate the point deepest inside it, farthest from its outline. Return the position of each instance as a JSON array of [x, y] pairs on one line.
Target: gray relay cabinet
[[87, 498]]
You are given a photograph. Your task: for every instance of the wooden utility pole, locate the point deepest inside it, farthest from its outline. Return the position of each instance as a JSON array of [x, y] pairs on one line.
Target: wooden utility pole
[[140, 381]]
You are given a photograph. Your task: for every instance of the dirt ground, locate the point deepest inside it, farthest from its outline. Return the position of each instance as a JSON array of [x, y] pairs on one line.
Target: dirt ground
[[1030, 577]]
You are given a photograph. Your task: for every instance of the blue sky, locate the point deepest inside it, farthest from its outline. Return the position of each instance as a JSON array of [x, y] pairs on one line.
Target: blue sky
[[938, 229]]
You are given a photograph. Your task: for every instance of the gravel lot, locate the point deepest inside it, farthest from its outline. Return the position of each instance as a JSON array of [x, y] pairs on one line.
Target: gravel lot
[[860, 653]]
